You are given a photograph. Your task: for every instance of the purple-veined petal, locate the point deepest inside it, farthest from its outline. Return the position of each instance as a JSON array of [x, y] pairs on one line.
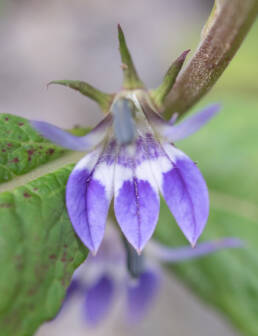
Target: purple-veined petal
[[136, 201], [166, 254], [191, 124], [98, 300], [67, 140], [88, 195], [185, 192], [183, 188], [141, 295]]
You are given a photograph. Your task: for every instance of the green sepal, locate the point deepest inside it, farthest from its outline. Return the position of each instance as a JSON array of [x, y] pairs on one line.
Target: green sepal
[[103, 99], [131, 78], [159, 95]]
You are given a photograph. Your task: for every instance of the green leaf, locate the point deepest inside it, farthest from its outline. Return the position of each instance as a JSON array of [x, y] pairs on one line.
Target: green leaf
[[22, 149], [226, 151], [39, 251]]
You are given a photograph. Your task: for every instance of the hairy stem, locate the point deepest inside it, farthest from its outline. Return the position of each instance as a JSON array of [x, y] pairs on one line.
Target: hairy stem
[[222, 35]]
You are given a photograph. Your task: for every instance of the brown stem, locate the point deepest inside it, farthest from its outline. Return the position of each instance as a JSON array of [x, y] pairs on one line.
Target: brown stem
[[224, 32]]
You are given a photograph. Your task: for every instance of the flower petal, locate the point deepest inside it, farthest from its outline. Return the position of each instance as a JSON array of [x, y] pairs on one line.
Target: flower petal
[[136, 201], [179, 131], [191, 124], [67, 140], [183, 188], [98, 300], [140, 295], [185, 193], [88, 195], [166, 254]]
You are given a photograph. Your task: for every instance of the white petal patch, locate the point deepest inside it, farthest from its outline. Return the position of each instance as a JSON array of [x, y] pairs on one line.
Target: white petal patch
[[104, 174], [144, 173], [173, 152], [160, 166], [90, 160], [122, 174]]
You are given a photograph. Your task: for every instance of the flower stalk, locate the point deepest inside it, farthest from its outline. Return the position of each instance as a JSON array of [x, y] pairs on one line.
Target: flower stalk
[[222, 36]]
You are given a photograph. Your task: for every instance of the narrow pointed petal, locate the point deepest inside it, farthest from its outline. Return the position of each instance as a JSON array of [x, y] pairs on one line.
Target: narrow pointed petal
[[88, 195], [141, 295], [165, 254], [69, 141], [98, 300], [136, 201], [185, 193], [185, 128], [191, 124]]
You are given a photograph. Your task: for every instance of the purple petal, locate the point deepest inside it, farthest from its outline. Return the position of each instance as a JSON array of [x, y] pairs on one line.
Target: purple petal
[[74, 287], [186, 194], [136, 201], [185, 128], [67, 140], [141, 295], [173, 255], [137, 209], [88, 195], [98, 300], [190, 125]]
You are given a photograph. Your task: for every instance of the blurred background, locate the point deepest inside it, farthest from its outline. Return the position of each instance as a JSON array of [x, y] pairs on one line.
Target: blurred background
[[61, 39]]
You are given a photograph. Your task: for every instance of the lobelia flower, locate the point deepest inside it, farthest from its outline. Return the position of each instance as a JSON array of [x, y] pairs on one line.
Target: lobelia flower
[[104, 279], [131, 158]]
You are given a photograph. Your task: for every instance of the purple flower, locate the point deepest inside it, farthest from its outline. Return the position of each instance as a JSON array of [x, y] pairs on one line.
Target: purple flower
[[131, 158], [103, 278]]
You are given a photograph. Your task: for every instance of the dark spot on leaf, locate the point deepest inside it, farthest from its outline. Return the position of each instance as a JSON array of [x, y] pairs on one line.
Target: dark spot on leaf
[[6, 205], [3, 150], [21, 123], [32, 291], [30, 153], [26, 195], [71, 259], [50, 151], [35, 189], [52, 256], [9, 144], [40, 147], [6, 118], [63, 259], [15, 160], [65, 245]]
